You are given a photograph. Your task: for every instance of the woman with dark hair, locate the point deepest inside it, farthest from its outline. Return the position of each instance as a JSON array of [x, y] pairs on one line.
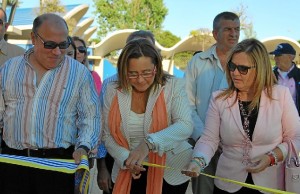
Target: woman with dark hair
[[145, 118], [71, 50], [252, 120], [81, 56], [81, 51]]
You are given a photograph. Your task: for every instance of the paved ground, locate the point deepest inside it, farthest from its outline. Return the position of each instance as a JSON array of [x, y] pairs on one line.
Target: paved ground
[[94, 189]]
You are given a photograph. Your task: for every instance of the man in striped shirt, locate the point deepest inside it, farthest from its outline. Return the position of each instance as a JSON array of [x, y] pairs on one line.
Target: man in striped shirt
[[49, 108]]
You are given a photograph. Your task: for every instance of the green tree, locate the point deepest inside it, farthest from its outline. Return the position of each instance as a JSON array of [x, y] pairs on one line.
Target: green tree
[[166, 38], [55, 6], [204, 36], [50, 6], [115, 15], [181, 59]]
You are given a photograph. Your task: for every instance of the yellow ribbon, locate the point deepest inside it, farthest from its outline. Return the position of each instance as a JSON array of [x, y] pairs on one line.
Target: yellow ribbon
[[250, 186], [58, 165]]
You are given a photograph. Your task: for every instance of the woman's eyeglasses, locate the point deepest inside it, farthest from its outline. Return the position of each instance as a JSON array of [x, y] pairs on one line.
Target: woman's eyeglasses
[[241, 68], [52, 44], [146, 74], [81, 49]]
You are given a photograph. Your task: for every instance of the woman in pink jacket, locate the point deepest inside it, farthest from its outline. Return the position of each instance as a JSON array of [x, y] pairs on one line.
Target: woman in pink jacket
[[252, 120]]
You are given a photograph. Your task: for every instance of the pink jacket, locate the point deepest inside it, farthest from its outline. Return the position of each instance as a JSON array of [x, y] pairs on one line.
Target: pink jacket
[[277, 121]]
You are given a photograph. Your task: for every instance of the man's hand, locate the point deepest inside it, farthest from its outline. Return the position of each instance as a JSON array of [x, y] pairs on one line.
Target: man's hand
[[77, 154], [103, 177]]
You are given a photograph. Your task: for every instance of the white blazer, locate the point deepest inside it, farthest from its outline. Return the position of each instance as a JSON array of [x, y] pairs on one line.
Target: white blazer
[[172, 140], [277, 121]]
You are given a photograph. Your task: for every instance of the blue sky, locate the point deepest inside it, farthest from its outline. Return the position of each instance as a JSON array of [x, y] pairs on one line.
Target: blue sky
[[269, 17]]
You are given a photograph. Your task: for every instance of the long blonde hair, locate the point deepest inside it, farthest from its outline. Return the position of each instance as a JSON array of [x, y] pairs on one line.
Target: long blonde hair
[[264, 79]]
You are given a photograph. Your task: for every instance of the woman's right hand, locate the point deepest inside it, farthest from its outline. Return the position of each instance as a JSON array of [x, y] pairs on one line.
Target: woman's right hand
[[134, 161], [192, 170]]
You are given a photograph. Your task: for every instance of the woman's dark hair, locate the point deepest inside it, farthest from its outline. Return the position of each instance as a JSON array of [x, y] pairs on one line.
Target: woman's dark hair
[[76, 38], [141, 34], [73, 45]]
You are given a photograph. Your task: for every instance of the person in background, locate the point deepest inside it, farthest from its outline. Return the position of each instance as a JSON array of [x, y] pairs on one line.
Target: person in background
[[146, 119], [79, 51], [104, 160], [204, 75], [147, 35], [7, 50], [81, 56], [286, 71], [252, 120], [46, 100], [71, 50]]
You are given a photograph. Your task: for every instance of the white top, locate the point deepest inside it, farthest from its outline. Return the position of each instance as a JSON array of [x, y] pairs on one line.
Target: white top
[[136, 134], [136, 129]]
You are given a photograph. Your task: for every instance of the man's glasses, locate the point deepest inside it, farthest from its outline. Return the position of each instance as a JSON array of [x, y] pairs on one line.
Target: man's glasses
[[145, 74], [81, 49], [241, 68], [52, 44]]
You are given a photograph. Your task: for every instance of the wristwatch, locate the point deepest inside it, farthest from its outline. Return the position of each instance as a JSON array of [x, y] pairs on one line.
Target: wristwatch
[[149, 142]]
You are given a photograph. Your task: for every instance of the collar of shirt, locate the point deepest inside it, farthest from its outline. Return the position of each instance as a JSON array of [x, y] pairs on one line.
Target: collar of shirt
[[284, 74], [216, 57]]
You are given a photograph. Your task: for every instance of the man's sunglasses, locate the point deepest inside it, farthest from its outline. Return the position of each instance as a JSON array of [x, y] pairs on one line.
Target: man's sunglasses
[[52, 44], [81, 49], [241, 68]]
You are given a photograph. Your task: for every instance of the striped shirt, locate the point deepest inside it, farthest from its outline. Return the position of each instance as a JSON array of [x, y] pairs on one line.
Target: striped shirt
[[62, 110]]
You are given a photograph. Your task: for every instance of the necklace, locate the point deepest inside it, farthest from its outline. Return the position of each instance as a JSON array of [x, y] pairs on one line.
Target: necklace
[[247, 147], [246, 116]]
